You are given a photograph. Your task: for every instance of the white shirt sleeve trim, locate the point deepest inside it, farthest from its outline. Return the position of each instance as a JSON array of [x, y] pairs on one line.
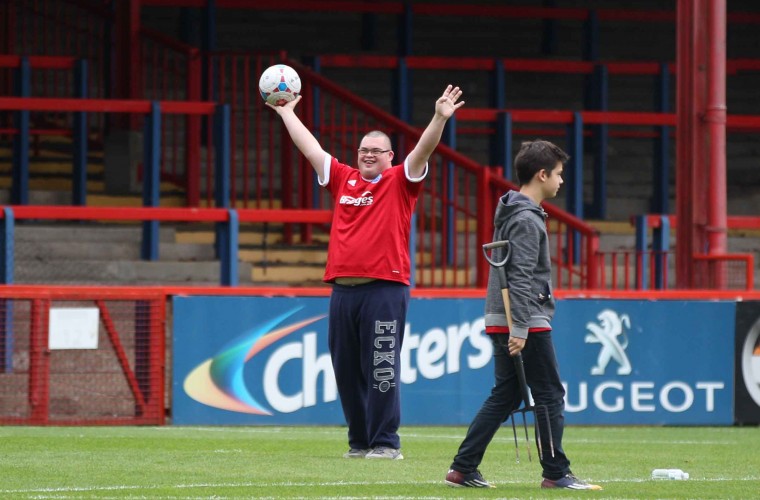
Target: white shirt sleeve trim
[[326, 171], [416, 179]]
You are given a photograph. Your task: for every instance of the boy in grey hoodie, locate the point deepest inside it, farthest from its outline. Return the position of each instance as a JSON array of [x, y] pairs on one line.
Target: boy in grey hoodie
[[520, 220]]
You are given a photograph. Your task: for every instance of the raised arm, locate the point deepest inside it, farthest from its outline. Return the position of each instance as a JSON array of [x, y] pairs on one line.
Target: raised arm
[[444, 109], [304, 140]]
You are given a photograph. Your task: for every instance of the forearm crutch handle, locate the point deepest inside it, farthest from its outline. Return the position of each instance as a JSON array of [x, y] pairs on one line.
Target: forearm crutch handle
[[494, 245]]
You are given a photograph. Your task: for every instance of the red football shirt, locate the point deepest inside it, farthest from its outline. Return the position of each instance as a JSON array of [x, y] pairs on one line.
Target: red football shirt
[[371, 222]]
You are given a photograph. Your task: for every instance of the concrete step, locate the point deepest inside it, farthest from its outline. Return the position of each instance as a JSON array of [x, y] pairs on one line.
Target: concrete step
[[293, 275], [444, 278], [312, 276], [253, 238], [63, 197], [30, 231], [304, 255], [53, 184], [124, 272], [49, 167], [95, 250]]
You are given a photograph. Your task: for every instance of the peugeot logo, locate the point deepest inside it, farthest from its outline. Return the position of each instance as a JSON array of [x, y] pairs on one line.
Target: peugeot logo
[[606, 333]]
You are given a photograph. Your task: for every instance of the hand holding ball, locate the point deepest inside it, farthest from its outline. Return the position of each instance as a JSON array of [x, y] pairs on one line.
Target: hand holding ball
[[279, 84]]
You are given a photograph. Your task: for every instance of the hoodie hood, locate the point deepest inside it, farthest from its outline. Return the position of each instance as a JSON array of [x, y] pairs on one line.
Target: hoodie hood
[[512, 203]]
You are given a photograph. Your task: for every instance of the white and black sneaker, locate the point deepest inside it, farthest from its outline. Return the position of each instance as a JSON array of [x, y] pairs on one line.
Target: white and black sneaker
[[385, 452], [570, 482], [470, 480], [356, 453]]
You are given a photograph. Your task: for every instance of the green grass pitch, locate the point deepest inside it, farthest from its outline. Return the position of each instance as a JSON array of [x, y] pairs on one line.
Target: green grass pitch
[[306, 462]]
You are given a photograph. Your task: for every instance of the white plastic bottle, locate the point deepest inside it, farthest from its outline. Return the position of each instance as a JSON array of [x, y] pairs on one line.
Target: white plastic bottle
[[671, 474]]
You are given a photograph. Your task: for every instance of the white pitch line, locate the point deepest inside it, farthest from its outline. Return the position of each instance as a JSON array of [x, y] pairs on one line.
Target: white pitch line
[[85, 489], [414, 435], [340, 431]]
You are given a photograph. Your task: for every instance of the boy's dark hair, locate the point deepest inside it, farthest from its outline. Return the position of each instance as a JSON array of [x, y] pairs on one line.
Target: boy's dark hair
[[535, 156]]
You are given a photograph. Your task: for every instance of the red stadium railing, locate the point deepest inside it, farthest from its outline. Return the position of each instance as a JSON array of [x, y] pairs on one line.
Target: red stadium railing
[[234, 221], [97, 108], [562, 66], [720, 272], [470, 210], [172, 71], [257, 144], [570, 271], [449, 231], [75, 28], [631, 269], [451, 221], [261, 185], [51, 76], [458, 10], [623, 269], [119, 379], [48, 76]]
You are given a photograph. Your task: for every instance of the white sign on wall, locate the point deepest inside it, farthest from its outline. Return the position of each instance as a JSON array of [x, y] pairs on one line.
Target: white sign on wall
[[73, 328]]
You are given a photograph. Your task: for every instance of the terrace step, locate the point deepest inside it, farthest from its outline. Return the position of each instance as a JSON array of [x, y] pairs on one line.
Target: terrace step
[[125, 272]]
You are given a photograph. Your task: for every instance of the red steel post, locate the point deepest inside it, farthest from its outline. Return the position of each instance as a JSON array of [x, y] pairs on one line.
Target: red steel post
[[715, 118], [128, 80], [690, 160], [193, 124], [684, 153], [39, 362]]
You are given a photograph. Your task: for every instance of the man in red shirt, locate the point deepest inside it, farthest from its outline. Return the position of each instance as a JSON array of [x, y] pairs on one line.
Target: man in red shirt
[[368, 265]]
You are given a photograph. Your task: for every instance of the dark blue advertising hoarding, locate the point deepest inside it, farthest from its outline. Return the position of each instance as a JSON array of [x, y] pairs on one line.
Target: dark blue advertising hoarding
[[264, 360], [747, 364], [646, 362]]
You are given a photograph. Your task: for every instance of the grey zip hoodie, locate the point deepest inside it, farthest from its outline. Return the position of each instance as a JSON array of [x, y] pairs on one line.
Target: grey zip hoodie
[[529, 276]]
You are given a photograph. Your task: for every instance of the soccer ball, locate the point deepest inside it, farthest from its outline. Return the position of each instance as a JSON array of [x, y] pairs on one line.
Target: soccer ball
[[279, 84]]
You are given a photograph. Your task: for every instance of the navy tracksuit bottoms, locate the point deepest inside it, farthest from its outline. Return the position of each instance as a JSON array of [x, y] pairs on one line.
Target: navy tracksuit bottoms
[[365, 332]]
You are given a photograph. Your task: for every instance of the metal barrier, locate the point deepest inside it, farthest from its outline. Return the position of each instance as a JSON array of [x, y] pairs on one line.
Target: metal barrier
[[226, 221], [82, 356], [452, 222], [719, 272], [153, 153], [72, 28], [725, 272]]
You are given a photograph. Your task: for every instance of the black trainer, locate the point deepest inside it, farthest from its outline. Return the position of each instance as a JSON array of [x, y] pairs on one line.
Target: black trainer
[[569, 482], [471, 480]]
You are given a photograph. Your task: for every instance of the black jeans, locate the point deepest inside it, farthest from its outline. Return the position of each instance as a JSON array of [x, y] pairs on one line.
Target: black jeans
[[542, 374]]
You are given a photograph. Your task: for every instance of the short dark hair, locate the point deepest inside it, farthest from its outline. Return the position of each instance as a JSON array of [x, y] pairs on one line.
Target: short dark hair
[[535, 156]]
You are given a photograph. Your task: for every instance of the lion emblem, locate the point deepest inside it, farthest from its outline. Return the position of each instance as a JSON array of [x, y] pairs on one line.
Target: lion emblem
[[606, 333]]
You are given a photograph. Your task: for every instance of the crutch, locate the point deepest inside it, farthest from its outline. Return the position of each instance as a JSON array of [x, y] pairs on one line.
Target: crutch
[[539, 411]]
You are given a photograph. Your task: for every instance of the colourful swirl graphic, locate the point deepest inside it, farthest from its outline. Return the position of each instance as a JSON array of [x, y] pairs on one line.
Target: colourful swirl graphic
[[218, 381]]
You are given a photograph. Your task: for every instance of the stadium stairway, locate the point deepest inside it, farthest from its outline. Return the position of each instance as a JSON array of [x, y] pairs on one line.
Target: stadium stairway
[[629, 185], [90, 253], [93, 253], [630, 161]]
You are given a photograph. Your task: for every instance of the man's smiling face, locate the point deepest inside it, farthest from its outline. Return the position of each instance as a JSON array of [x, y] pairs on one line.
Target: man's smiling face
[[374, 156]]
